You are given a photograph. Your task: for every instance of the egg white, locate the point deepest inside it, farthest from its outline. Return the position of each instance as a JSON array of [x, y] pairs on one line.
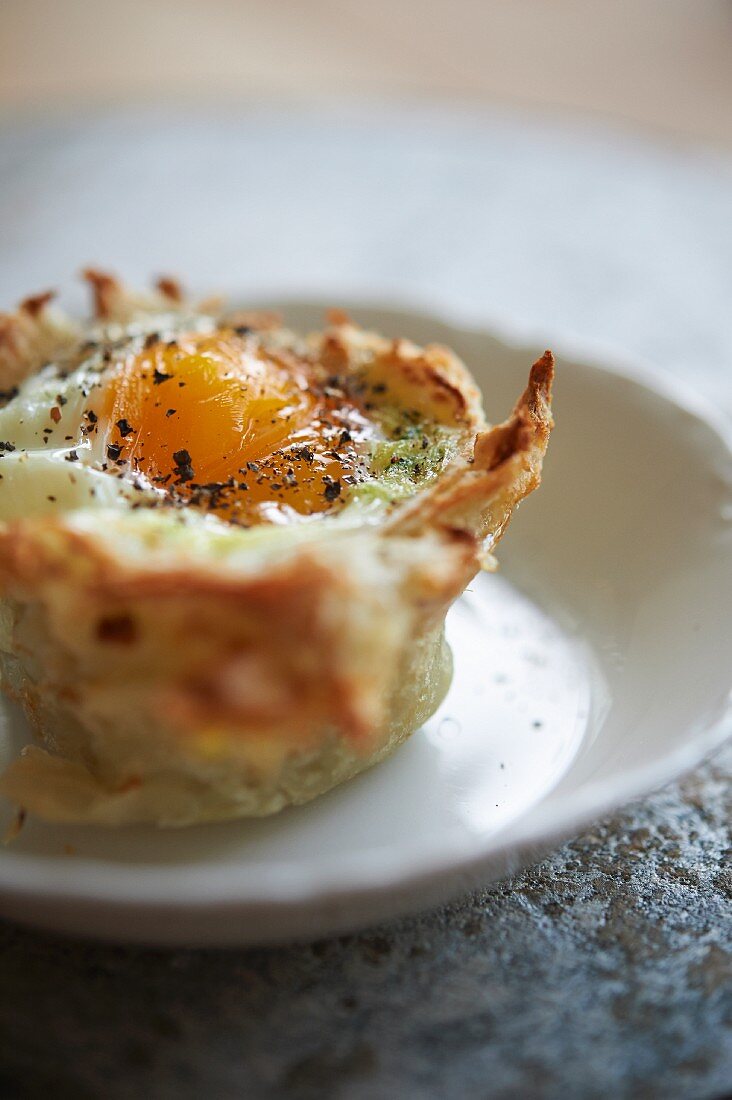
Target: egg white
[[57, 467], [41, 476]]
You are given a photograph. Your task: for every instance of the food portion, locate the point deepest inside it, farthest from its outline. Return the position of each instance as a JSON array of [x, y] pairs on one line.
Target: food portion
[[227, 550]]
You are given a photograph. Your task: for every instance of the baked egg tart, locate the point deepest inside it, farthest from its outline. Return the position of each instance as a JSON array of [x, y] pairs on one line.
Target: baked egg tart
[[227, 551]]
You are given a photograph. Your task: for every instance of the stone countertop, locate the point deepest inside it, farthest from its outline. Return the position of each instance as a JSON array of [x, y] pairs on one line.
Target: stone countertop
[[605, 969]]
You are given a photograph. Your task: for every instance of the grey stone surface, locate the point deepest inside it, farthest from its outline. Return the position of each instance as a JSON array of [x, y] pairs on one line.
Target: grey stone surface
[[604, 970]]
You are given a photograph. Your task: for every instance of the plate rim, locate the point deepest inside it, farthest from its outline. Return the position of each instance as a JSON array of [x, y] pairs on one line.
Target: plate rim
[[35, 878]]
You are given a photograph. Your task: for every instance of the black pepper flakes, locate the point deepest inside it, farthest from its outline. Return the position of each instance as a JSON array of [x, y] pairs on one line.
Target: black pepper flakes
[[72, 456], [332, 491], [117, 629], [124, 427], [114, 450], [159, 376], [183, 466]]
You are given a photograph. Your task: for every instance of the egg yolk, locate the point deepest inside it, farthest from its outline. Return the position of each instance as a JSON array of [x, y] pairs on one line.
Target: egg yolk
[[221, 424]]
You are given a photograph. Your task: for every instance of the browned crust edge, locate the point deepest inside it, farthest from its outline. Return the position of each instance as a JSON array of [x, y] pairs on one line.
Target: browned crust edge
[[468, 507], [477, 495]]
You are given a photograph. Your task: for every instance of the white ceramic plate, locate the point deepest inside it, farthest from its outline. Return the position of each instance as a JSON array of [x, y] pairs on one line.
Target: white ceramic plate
[[594, 668]]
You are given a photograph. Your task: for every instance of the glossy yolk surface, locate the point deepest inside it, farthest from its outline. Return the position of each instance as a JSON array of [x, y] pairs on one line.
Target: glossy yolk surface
[[216, 421]]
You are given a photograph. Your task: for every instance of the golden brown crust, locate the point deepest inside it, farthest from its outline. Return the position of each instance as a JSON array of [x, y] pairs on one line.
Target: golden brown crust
[[529, 424], [479, 494], [242, 675], [182, 689], [169, 288], [34, 334], [431, 379], [106, 292], [287, 614], [31, 336], [113, 301], [36, 303]]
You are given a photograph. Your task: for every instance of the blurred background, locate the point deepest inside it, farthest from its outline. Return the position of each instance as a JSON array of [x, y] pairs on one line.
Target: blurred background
[[560, 168], [663, 64]]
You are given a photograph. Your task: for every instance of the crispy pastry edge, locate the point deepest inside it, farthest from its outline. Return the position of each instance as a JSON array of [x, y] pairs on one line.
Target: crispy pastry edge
[[461, 517]]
